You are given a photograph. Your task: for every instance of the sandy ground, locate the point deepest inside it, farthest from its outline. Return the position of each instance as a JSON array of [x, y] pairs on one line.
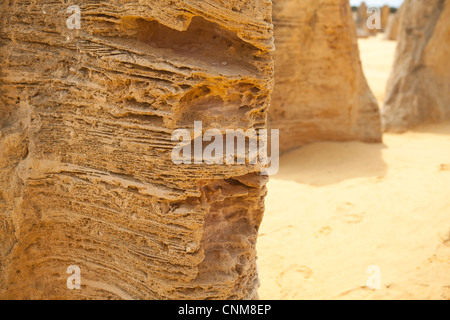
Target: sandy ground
[[377, 57], [336, 209]]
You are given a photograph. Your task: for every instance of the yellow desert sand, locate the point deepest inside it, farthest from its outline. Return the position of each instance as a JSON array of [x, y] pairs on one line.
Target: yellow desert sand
[[377, 57], [336, 209]]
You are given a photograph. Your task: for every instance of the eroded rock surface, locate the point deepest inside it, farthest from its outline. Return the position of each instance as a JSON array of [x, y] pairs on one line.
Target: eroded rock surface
[[86, 175], [418, 90], [320, 90]]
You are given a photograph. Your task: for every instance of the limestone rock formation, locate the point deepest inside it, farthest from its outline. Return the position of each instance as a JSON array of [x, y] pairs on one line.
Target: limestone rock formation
[[361, 21], [392, 28], [362, 17], [391, 31], [385, 12], [418, 90], [320, 90], [86, 121]]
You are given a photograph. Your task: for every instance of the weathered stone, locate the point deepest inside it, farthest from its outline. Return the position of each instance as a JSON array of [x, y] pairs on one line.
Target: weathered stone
[[86, 176], [320, 90], [361, 21], [392, 28], [418, 90]]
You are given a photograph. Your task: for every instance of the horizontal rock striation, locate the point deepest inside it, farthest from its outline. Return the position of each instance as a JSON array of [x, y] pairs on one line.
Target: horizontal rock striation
[[86, 175]]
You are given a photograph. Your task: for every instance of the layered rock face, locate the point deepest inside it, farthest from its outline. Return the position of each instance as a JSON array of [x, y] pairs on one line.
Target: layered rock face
[[320, 90], [418, 90], [86, 123]]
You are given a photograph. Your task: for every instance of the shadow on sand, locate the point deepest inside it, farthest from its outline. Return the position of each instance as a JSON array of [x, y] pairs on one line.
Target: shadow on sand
[[442, 128], [325, 163]]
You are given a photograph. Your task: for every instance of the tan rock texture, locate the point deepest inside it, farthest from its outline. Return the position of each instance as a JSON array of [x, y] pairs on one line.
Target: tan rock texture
[[418, 90], [391, 31], [361, 21], [86, 176], [362, 15], [320, 90], [385, 12], [394, 22]]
